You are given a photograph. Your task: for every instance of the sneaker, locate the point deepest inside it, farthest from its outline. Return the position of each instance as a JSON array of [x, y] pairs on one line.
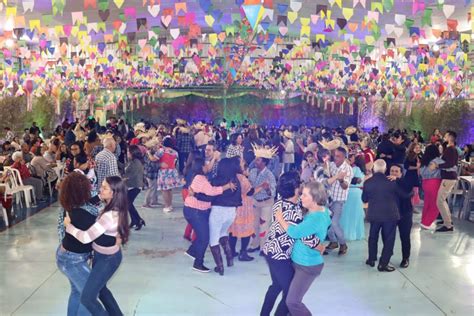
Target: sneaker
[[425, 227], [444, 229], [167, 210], [201, 268], [187, 253]]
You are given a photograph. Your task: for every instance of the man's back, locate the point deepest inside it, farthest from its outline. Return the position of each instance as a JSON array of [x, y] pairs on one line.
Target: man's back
[[381, 194], [106, 165]]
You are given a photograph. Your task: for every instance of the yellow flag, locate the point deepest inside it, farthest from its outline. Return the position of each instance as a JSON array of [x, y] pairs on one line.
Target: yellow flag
[[304, 21], [320, 37], [292, 16], [369, 39], [209, 20], [11, 11], [213, 39], [305, 31], [347, 13], [35, 24]]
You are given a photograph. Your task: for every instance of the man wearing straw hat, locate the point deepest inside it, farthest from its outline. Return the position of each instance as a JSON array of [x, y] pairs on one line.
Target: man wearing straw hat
[[264, 184]]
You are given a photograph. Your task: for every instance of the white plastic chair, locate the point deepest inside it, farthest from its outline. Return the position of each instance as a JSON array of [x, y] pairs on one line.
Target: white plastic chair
[[11, 190], [5, 216], [27, 190]]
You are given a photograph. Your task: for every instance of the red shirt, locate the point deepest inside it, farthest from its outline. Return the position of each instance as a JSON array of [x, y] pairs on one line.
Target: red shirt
[[24, 172], [369, 155]]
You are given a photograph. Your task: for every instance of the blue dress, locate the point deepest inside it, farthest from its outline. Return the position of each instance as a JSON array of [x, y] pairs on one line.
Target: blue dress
[[352, 219]]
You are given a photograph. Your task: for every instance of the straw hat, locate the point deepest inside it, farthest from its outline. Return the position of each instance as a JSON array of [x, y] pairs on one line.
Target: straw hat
[[180, 121], [350, 130], [288, 134], [262, 152], [331, 145], [139, 127], [152, 142], [199, 126]]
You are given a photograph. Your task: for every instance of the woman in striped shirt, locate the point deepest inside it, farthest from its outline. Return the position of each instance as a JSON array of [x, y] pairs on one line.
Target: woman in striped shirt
[[113, 223]]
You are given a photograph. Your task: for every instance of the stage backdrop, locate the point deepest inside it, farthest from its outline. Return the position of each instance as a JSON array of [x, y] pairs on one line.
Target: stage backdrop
[[271, 112]]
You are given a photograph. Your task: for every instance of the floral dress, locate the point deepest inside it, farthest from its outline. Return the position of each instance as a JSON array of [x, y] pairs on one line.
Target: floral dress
[[243, 225], [168, 178]]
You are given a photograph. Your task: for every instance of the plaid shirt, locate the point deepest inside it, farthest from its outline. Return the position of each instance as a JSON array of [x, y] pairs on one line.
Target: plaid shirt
[[151, 168], [336, 192], [184, 142], [234, 150], [257, 179], [106, 166]]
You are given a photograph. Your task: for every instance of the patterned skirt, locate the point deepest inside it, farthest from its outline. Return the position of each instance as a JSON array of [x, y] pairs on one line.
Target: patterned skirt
[[243, 225], [168, 179]]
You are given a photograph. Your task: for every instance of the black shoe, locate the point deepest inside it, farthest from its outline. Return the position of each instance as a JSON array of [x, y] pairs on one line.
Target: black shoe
[[201, 268], [439, 222], [190, 255], [342, 250], [325, 253], [133, 225], [405, 263], [261, 254], [444, 229], [387, 268], [244, 256], [370, 263], [140, 224], [235, 254], [253, 249]]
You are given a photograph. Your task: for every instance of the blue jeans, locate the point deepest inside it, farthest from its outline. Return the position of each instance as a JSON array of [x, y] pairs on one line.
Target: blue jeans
[[199, 220], [75, 267], [103, 267], [335, 233]]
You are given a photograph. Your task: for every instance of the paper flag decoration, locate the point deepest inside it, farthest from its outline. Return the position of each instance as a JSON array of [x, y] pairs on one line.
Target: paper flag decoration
[[154, 10], [448, 10], [119, 3], [347, 13], [253, 14]]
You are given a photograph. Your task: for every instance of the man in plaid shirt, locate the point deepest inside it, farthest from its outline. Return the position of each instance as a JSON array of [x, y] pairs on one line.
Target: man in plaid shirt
[[184, 144], [106, 161], [341, 175]]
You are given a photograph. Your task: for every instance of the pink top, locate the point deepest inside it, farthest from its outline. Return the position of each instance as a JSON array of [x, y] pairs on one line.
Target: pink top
[[200, 184], [107, 224]]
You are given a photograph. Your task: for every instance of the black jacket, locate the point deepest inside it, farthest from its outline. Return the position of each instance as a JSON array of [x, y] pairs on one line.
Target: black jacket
[[404, 203], [382, 196], [228, 198]]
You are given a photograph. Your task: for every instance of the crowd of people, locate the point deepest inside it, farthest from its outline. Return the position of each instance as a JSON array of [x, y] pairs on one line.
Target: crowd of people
[[281, 190]]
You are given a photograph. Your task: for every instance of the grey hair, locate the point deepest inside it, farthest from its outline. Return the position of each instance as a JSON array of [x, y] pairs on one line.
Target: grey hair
[[380, 166], [17, 154], [318, 192], [108, 141]]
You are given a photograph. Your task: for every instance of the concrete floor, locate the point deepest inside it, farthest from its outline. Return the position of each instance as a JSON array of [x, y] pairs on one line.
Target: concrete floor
[[155, 278]]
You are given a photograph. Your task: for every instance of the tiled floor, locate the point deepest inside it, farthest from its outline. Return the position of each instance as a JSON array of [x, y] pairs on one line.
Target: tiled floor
[[156, 278]]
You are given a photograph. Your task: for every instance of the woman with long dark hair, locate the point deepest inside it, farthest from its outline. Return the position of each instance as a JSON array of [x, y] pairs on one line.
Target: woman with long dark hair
[[223, 211], [196, 211], [412, 166], [235, 148], [111, 223], [352, 218], [431, 181], [134, 176]]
